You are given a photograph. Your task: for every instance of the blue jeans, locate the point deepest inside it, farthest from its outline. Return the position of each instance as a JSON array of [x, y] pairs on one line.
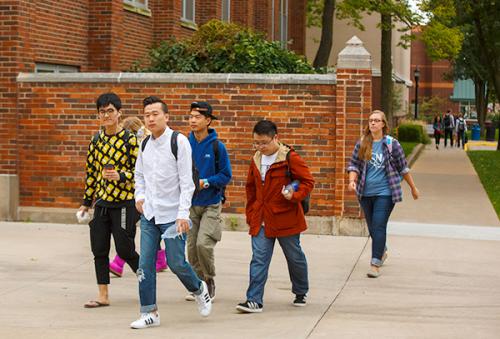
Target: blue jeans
[[174, 249], [377, 211], [262, 252]]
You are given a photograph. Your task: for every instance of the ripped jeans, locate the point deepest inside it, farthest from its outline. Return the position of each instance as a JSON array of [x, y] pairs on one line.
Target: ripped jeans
[[146, 274]]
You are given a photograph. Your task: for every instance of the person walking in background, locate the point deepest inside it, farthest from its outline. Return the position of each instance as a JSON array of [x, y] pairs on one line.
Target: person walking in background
[[212, 161], [449, 126], [164, 189], [274, 212], [438, 129], [461, 127], [110, 166], [135, 125], [375, 171]]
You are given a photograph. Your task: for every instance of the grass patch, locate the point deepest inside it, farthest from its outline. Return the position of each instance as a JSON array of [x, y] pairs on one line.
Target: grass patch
[[408, 146], [487, 164]]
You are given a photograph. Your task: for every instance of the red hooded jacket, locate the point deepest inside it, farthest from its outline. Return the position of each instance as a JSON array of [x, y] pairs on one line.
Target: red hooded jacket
[[265, 203]]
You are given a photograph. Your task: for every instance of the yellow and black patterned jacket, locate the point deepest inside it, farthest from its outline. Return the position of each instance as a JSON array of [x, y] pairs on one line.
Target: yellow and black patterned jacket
[[121, 151]]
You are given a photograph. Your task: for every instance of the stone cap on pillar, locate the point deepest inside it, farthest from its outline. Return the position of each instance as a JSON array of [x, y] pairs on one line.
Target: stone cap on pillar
[[354, 56]]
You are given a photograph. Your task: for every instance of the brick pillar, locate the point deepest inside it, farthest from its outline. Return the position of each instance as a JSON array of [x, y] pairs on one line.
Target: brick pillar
[[207, 10], [297, 25], [242, 12], [105, 35], [353, 108], [16, 56], [263, 17], [166, 19]]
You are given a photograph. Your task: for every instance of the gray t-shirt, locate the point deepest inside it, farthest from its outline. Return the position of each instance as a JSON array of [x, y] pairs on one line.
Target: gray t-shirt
[[376, 183]]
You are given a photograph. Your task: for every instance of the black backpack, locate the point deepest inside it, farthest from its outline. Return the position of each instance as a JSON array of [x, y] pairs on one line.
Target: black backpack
[[447, 121], [461, 125], [196, 173], [306, 201]]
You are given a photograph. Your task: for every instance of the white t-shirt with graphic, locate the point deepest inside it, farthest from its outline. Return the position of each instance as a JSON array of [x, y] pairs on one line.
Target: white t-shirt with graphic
[[266, 162]]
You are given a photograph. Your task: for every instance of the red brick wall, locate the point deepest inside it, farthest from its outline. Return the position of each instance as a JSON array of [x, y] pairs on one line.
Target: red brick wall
[[207, 10], [57, 120], [137, 39], [59, 31], [433, 81], [15, 55], [105, 36]]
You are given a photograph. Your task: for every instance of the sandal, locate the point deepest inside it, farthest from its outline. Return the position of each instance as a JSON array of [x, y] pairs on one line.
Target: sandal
[[94, 304]]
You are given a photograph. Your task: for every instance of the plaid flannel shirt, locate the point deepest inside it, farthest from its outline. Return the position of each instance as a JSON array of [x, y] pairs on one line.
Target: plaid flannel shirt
[[395, 167]]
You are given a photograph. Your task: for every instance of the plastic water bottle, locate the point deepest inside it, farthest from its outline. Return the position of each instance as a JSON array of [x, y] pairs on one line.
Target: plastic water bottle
[[171, 231], [292, 187]]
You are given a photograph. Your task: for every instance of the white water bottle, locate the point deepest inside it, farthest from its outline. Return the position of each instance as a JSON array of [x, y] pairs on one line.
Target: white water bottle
[[292, 187]]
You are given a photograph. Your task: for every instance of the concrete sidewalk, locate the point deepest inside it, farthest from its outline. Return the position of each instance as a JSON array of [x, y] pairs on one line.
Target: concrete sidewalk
[[430, 288], [450, 190]]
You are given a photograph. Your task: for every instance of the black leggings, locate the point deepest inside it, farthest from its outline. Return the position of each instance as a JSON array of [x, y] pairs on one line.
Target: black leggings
[[108, 221], [448, 132], [437, 137]]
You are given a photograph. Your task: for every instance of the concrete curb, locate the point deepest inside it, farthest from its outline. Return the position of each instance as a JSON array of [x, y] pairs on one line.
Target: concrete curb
[[415, 154]]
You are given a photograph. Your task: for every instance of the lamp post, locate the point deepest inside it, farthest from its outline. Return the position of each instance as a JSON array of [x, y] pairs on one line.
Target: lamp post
[[416, 74]]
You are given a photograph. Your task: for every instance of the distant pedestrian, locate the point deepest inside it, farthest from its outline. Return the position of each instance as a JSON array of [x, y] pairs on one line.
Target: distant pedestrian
[[375, 170], [449, 127], [110, 183], [164, 189], [274, 212], [438, 129], [135, 125], [461, 128]]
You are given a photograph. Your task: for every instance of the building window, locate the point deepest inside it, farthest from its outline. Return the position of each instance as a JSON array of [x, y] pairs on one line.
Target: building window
[[137, 3], [53, 68], [226, 10], [188, 10], [284, 23]]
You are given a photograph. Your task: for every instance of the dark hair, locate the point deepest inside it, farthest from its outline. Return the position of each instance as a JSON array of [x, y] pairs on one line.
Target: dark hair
[[265, 127], [107, 99], [153, 100]]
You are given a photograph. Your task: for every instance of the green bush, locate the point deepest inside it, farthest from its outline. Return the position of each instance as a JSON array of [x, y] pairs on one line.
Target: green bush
[[220, 47], [413, 133]]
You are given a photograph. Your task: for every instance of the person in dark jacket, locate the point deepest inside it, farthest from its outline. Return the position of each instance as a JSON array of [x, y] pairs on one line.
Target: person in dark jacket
[[212, 161], [274, 212]]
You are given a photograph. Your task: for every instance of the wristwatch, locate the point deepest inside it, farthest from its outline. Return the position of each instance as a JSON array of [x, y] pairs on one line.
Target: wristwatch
[[205, 183]]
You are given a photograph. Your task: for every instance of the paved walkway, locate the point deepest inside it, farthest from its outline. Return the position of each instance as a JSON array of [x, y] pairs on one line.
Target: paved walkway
[[430, 288], [451, 192]]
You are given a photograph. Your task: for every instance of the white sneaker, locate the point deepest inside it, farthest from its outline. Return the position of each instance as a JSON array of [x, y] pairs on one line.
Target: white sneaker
[[204, 301], [189, 297], [150, 319]]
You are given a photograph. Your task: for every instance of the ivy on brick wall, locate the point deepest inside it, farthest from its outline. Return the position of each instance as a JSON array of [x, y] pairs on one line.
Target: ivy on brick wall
[[220, 47]]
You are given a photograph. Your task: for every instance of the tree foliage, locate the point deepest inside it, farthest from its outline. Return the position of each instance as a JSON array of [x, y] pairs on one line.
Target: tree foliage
[[220, 47]]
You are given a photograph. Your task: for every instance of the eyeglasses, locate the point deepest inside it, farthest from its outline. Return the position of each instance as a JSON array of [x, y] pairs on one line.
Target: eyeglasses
[[374, 120], [262, 144], [108, 112]]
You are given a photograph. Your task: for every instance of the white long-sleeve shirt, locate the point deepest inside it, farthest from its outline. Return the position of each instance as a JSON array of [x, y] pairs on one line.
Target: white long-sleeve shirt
[[165, 184]]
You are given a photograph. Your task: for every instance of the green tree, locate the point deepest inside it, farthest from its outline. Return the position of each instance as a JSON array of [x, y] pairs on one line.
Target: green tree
[[465, 32], [391, 12], [320, 13]]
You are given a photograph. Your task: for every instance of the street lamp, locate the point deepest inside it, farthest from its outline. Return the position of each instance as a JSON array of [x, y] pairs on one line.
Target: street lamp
[[416, 74]]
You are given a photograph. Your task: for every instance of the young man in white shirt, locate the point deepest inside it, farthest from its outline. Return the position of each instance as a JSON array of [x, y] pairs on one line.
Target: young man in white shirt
[[164, 188]]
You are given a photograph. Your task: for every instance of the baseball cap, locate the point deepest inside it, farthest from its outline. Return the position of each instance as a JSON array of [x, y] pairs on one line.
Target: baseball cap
[[204, 108]]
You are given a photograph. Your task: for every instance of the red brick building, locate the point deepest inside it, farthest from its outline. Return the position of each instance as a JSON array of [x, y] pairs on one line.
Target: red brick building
[[433, 81], [48, 119], [109, 35]]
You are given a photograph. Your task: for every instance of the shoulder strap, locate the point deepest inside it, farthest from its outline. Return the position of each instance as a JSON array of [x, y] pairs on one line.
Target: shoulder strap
[[95, 138], [144, 142], [215, 146], [389, 140], [173, 143], [288, 171]]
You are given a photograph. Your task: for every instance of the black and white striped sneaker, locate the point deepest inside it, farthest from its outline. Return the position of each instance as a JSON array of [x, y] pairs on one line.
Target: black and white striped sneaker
[[300, 300], [249, 307], [150, 319]]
